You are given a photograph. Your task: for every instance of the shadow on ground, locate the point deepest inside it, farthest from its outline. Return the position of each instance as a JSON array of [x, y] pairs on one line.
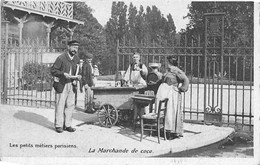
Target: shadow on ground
[[234, 148], [127, 129], [77, 108], [129, 132], [85, 118], [34, 118]]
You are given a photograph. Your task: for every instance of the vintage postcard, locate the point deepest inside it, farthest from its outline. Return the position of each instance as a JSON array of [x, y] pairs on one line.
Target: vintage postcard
[[129, 82]]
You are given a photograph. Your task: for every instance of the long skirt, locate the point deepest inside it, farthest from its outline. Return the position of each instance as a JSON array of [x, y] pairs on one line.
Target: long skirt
[[173, 118]]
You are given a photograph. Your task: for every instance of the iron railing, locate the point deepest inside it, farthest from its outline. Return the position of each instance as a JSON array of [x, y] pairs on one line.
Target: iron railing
[[26, 76], [233, 86]]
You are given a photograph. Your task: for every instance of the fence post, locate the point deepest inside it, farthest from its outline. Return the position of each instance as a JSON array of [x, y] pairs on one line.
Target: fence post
[[1, 79], [214, 27], [5, 65], [222, 59], [205, 62]]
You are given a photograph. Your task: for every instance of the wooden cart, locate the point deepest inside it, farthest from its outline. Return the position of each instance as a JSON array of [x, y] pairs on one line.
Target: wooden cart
[[110, 102]]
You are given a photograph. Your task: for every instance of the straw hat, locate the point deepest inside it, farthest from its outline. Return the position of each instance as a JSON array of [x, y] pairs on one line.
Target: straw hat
[[154, 65]]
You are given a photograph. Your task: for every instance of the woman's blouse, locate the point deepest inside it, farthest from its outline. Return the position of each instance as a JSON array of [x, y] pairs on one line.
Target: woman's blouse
[[175, 76]]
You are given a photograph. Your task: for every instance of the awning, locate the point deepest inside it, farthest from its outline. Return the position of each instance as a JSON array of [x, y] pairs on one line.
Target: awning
[[43, 8]]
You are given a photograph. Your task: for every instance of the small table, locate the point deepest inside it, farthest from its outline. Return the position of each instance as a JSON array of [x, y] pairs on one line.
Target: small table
[[140, 101]]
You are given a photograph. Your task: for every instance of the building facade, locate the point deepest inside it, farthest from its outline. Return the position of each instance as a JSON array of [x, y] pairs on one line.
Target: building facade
[[23, 20], [26, 28]]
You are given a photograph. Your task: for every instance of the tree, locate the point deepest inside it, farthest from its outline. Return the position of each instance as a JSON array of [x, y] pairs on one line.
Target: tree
[[170, 30], [153, 18], [140, 25], [238, 23], [136, 27], [91, 35], [238, 29], [131, 22], [116, 29]]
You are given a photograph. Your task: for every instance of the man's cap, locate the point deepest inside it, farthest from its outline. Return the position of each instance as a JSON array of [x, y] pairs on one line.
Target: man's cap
[[73, 43], [89, 55]]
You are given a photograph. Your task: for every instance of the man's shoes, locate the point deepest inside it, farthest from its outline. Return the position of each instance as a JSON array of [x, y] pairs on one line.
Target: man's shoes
[[70, 129], [59, 130]]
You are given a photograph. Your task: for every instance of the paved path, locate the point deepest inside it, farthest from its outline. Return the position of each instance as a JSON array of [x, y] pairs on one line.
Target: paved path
[[29, 132]]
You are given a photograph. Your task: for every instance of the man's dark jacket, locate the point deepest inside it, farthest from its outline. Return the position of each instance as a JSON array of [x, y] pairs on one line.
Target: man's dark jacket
[[87, 76], [62, 65]]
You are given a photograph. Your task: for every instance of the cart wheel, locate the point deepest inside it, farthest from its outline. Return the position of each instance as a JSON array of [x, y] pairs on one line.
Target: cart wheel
[[107, 115]]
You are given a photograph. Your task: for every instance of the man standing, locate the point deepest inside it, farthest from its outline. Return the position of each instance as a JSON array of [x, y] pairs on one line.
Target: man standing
[[136, 72], [87, 82], [65, 71]]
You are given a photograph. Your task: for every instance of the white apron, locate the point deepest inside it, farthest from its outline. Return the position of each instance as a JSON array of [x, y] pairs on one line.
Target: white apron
[[173, 118]]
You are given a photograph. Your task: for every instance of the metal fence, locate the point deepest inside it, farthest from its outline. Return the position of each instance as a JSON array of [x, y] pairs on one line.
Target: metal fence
[[220, 70], [221, 86], [26, 73]]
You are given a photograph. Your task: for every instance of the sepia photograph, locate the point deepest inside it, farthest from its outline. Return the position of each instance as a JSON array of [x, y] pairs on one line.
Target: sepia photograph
[[129, 82]]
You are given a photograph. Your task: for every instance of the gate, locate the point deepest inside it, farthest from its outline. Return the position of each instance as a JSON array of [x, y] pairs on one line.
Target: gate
[[219, 68], [26, 72], [213, 65]]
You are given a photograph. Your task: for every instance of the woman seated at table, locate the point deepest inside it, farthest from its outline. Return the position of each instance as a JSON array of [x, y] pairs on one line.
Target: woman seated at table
[[136, 72]]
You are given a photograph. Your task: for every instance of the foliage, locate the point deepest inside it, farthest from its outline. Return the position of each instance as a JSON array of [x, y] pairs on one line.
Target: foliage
[[125, 22], [149, 26], [136, 26], [238, 32], [90, 35], [34, 72], [238, 22]]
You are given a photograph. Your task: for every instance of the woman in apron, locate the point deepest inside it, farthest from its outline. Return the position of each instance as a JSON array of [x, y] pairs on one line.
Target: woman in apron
[[174, 82]]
